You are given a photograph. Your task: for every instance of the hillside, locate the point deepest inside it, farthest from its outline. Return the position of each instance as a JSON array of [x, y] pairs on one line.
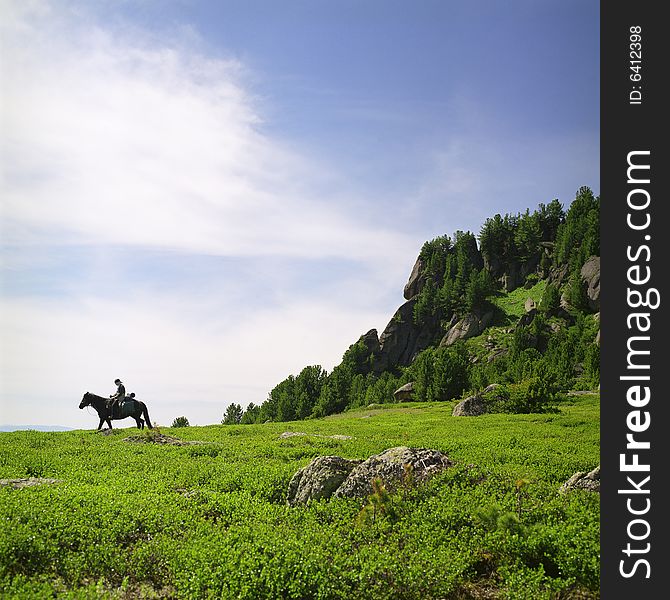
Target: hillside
[[209, 519], [515, 306]]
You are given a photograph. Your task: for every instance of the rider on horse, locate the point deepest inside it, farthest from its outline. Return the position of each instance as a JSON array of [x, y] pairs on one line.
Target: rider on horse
[[120, 395]]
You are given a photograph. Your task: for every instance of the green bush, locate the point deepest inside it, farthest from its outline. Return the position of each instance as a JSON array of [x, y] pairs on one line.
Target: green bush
[[534, 395]]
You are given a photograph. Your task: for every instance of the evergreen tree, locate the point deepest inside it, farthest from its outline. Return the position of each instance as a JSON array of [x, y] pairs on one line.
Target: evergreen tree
[[251, 414], [233, 414], [527, 235], [550, 217], [551, 298], [578, 237]]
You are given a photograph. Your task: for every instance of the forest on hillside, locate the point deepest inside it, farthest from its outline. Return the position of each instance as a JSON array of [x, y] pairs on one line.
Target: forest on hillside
[[475, 284]]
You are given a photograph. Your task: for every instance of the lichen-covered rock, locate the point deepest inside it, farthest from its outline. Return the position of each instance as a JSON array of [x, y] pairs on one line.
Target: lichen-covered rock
[[319, 479], [473, 406], [395, 467], [583, 481]]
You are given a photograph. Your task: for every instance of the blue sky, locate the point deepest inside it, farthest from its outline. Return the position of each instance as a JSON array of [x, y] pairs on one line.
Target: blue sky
[[204, 197]]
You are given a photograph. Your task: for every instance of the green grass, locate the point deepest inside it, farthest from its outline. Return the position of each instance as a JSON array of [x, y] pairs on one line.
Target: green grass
[[512, 303], [210, 521]]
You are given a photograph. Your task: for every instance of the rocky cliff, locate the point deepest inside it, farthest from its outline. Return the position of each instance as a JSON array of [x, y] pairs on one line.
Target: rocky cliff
[[404, 338]]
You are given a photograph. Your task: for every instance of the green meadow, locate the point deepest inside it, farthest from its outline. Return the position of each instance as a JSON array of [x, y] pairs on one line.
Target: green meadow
[[210, 520]]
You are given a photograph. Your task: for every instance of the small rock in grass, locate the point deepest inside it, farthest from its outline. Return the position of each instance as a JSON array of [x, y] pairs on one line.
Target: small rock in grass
[[583, 481]]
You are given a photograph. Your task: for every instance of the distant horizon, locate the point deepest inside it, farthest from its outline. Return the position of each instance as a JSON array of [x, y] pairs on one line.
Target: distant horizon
[[10, 428]]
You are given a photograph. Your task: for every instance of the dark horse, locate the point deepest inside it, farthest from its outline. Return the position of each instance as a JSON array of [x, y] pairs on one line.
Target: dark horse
[[129, 408]]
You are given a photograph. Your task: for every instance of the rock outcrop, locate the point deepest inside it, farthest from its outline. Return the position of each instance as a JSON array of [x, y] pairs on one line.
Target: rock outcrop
[[559, 275], [371, 342], [473, 406], [403, 339], [512, 274], [328, 476], [417, 280], [583, 481], [319, 479], [591, 280], [469, 326]]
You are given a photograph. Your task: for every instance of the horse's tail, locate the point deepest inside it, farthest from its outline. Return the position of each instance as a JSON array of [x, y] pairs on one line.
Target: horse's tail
[[145, 413]]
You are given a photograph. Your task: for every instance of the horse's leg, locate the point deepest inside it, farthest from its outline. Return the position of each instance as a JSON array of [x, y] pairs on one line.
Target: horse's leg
[[109, 422], [102, 420], [145, 413], [140, 423]]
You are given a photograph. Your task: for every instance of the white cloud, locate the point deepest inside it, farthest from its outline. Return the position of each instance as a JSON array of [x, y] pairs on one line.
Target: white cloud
[[115, 139], [111, 140]]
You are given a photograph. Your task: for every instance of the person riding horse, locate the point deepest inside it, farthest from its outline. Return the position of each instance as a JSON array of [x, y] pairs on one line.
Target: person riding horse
[[134, 408], [116, 398]]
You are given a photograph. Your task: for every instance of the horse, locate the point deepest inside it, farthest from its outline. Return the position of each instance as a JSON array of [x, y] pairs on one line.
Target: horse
[[129, 408]]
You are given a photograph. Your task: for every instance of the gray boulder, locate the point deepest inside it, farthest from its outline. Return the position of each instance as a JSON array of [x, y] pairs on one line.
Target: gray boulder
[[393, 466], [473, 406], [583, 481], [405, 393], [319, 479]]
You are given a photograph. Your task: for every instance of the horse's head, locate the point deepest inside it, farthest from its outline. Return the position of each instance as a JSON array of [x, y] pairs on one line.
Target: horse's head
[[85, 401]]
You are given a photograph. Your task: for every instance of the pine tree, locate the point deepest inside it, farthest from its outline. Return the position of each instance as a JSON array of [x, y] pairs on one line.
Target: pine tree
[[233, 414]]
